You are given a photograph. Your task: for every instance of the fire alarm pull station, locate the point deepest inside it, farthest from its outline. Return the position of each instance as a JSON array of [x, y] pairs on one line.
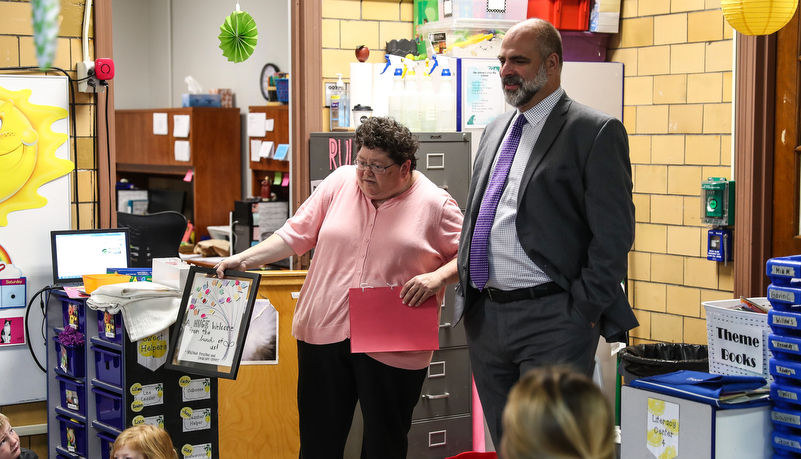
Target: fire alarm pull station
[[717, 209]]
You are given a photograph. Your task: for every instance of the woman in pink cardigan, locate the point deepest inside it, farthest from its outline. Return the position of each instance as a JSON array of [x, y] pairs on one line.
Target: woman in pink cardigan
[[377, 222]]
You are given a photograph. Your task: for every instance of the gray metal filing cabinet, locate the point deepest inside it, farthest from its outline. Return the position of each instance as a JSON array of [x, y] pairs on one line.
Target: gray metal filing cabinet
[[441, 422]]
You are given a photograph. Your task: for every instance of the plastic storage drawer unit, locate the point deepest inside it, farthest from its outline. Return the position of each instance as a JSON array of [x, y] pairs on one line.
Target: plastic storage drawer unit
[[73, 435], [108, 366], [73, 395], [73, 314], [782, 270], [109, 408], [106, 444], [785, 323], [785, 395]]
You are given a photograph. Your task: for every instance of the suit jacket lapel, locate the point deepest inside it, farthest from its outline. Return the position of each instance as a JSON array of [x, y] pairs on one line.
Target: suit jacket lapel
[[550, 130]]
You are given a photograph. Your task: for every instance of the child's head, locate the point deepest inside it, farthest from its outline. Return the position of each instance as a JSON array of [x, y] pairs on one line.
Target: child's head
[[9, 441], [143, 442], [554, 412]]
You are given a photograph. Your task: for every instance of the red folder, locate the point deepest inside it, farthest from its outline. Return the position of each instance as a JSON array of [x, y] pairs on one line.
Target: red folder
[[379, 322]]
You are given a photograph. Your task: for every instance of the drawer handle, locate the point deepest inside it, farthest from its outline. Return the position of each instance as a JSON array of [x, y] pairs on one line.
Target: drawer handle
[[445, 325], [436, 397], [444, 441]]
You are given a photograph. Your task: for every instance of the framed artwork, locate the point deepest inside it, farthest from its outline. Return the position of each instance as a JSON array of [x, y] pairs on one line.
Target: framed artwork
[[212, 322]]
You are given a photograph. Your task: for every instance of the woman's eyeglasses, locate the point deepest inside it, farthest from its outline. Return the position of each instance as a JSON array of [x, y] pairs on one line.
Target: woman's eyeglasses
[[376, 168]]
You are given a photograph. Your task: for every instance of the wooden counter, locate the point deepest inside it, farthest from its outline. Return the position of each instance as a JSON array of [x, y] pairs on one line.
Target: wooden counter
[[258, 412]]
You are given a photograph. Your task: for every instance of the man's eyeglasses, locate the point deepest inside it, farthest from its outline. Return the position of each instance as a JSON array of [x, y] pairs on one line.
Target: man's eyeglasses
[[376, 168]]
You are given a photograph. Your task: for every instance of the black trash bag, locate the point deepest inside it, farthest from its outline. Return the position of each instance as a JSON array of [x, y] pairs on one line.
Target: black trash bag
[[661, 358]]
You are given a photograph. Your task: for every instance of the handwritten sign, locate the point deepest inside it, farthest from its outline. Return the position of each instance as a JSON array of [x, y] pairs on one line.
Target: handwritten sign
[[212, 324]]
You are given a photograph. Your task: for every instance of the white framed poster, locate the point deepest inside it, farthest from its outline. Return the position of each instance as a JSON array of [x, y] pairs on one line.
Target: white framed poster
[[34, 199]]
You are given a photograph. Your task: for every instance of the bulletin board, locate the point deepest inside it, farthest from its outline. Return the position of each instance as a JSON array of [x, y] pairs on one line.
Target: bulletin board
[[34, 200]]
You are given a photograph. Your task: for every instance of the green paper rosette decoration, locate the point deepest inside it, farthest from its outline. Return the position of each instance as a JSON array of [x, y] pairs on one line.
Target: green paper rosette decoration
[[44, 15], [238, 36]]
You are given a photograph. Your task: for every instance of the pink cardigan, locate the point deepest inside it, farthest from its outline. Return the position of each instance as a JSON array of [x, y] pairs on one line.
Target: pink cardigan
[[414, 233]]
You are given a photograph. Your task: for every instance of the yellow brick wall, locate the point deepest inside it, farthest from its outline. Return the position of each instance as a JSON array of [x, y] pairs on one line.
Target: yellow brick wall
[[350, 23], [678, 112], [17, 50]]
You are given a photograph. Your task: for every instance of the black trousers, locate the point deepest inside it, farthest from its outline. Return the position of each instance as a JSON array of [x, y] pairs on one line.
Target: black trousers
[[331, 380]]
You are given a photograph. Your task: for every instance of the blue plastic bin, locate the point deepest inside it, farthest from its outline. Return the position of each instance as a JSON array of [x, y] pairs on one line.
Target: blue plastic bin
[[786, 323], [106, 444], [782, 270], [73, 394], [72, 313], [73, 435], [110, 327], [108, 366], [109, 408], [71, 360]]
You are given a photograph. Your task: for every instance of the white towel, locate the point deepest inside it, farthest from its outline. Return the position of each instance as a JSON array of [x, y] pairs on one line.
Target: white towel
[[147, 308]]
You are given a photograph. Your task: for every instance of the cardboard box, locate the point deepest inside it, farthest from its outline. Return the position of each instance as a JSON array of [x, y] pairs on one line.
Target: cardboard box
[[171, 272], [201, 100]]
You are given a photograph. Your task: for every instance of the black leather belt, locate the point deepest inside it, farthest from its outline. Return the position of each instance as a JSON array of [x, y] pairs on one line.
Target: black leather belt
[[530, 293]]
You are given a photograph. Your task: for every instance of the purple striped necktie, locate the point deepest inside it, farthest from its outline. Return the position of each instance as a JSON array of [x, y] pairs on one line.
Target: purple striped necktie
[[479, 264]]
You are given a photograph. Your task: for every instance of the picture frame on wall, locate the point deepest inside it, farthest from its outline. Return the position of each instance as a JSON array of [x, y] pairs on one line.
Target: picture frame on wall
[[213, 322]]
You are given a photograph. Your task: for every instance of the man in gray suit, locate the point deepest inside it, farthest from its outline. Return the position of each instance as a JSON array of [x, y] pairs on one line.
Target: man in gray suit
[[547, 230]]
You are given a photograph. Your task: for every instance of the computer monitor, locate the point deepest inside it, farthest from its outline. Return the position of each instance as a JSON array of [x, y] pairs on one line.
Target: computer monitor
[[163, 200], [78, 252]]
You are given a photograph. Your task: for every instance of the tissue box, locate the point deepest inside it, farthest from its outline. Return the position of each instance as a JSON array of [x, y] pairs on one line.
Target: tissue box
[[171, 272], [200, 100], [226, 97]]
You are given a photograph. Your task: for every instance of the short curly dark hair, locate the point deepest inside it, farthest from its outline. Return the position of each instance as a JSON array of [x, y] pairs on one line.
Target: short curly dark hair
[[386, 134]]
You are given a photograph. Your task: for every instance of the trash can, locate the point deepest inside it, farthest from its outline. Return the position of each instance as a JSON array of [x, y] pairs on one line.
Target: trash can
[[660, 358]]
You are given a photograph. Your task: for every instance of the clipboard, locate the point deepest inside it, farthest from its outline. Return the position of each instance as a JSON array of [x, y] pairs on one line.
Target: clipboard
[[380, 322]]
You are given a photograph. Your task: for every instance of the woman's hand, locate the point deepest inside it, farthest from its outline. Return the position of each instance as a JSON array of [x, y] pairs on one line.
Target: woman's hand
[[420, 288], [231, 263]]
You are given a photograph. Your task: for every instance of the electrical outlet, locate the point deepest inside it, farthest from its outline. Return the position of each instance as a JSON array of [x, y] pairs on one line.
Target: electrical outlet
[[91, 84]]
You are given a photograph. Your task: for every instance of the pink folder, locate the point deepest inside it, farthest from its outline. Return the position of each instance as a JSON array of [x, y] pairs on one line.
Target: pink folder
[[379, 322]]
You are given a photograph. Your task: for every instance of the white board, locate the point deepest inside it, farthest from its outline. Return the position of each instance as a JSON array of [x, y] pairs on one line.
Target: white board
[[26, 241]]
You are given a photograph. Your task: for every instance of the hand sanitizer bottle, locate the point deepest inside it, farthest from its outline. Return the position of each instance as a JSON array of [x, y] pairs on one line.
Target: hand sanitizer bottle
[[446, 104]]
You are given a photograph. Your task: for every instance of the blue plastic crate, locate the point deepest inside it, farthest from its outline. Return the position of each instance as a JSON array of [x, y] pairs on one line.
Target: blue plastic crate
[[785, 371], [109, 327], [73, 435], [786, 442], [73, 395], [282, 89], [785, 297], [786, 395], [108, 366], [106, 444], [785, 347], [109, 408], [782, 270], [786, 419], [72, 312], [786, 323], [71, 360]]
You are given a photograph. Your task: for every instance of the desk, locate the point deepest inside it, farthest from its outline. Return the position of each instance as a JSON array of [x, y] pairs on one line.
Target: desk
[[258, 411]]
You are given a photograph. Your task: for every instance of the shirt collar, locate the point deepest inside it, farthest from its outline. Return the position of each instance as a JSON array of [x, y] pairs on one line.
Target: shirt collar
[[537, 113]]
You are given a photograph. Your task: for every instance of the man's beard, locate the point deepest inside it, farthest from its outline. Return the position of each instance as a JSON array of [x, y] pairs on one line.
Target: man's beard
[[526, 90]]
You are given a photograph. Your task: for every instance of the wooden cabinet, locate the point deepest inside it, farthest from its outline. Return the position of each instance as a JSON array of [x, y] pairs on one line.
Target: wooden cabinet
[[215, 160], [259, 410], [267, 167]]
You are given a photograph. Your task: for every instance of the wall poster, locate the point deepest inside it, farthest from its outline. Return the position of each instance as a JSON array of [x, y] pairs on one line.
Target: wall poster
[[212, 322]]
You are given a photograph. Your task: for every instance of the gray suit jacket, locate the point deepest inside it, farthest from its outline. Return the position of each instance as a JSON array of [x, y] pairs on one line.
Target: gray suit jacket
[[575, 215]]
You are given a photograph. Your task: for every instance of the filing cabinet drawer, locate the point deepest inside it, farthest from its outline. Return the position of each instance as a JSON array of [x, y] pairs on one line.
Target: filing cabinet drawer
[[440, 438], [450, 336], [446, 391], [445, 159]]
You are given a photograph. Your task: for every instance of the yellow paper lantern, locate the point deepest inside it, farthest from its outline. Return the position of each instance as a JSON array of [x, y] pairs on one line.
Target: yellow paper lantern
[[758, 17]]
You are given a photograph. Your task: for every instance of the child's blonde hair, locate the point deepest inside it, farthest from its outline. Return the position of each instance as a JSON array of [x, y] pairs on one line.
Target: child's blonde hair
[[4, 422], [554, 412], [149, 440]]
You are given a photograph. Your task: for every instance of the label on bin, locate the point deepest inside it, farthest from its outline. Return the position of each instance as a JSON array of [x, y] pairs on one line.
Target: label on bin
[[778, 270], [785, 371], [781, 295], [784, 320], [785, 346], [739, 346], [786, 418], [787, 443], [787, 394]]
